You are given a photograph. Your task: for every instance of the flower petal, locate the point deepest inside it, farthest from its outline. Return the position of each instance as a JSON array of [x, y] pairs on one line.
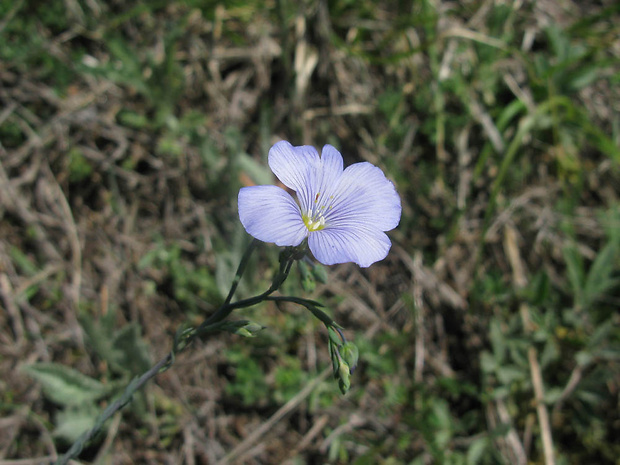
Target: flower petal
[[322, 179], [294, 166], [331, 164], [365, 198], [270, 214], [363, 246]]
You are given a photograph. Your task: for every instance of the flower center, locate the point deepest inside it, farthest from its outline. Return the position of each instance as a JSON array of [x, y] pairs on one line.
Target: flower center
[[314, 218], [313, 223]]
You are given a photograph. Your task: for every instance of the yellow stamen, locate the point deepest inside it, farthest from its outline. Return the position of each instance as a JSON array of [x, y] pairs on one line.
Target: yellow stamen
[[314, 224]]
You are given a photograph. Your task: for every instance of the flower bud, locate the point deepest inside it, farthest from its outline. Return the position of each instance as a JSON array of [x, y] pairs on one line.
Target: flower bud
[[243, 328], [344, 375], [320, 273], [350, 355], [308, 283]]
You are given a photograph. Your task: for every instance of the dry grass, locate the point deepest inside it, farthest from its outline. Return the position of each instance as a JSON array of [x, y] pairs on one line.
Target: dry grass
[[102, 163]]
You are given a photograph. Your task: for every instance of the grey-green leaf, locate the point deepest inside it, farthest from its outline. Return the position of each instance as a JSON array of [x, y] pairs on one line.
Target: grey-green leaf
[[73, 421], [64, 385]]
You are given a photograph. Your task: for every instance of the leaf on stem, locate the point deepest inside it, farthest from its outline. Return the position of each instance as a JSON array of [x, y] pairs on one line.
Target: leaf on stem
[[64, 385]]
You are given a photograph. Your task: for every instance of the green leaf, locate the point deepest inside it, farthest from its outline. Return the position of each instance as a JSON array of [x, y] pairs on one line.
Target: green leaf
[[73, 421], [509, 374], [601, 334], [133, 119], [333, 354], [100, 332], [550, 353], [80, 167], [575, 269], [322, 316], [259, 172], [583, 76], [583, 358], [23, 261], [477, 450], [610, 220], [64, 385], [553, 394], [488, 363], [334, 337], [498, 340], [600, 276], [130, 350]]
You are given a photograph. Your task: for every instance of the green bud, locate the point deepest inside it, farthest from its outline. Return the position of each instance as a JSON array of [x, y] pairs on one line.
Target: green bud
[[344, 381], [243, 328], [254, 327], [303, 269], [243, 332], [334, 337], [249, 329], [333, 354], [350, 354], [308, 283], [320, 273]]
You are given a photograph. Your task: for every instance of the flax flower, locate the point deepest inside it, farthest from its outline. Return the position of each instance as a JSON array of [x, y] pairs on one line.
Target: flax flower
[[343, 213]]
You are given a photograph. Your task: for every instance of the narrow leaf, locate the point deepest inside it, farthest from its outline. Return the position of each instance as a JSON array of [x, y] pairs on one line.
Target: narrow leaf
[[64, 385]]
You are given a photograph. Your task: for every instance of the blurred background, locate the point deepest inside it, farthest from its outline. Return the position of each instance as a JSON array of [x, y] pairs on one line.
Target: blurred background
[[490, 333]]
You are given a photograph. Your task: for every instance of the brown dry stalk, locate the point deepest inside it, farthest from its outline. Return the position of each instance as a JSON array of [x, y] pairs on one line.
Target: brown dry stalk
[[520, 280]]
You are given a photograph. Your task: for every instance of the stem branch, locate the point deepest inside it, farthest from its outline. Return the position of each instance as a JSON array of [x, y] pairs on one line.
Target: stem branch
[[209, 325]]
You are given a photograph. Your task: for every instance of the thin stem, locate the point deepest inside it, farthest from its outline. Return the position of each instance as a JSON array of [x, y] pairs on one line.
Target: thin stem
[[136, 384], [296, 300], [313, 307], [166, 362], [240, 270], [227, 308]]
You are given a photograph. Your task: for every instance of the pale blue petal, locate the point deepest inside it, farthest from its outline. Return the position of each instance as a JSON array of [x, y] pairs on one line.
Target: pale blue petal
[[341, 245], [270, 214], [331, 165], [364, 197], [294, 167], [323, 178]]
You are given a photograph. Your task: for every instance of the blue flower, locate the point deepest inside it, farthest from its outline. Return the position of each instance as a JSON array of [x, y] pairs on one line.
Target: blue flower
[[343, 213]]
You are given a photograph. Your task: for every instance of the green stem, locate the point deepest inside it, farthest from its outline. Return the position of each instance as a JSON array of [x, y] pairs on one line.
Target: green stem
[[114, 407], [207, 326], [240, 269], [227, 308], [296, 300]]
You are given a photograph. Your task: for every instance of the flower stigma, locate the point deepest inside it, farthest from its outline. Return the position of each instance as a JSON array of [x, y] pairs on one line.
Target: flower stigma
[[314, 218], [313, 223]]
